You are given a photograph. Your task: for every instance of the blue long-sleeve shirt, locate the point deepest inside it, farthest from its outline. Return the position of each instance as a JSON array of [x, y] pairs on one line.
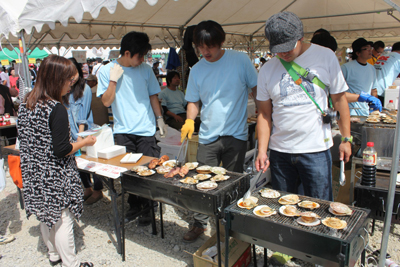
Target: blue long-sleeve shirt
[[79, 112]]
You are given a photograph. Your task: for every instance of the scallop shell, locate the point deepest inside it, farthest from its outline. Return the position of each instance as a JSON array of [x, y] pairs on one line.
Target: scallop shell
[[283, 211], [202, 177], [146, 172], [334, 223], [204, 169], [189, 180], [207, 185], [269, 193], [163, 169], [139, 168], [289, 199], [249, 203], [341, 208], [220, 178], [170, 163], [264, 211], [191, 165], [308, 205], [314, 223], [218, 170]]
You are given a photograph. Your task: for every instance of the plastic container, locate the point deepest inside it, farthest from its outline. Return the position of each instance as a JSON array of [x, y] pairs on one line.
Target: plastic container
[[391, 105], [391, 263], [369, 165]]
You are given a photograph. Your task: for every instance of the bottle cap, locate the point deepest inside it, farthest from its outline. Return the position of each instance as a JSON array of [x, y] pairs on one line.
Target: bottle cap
[[370, 144], [390, 101]]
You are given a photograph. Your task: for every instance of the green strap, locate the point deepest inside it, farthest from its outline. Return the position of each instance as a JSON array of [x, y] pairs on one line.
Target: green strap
[[291, 70]]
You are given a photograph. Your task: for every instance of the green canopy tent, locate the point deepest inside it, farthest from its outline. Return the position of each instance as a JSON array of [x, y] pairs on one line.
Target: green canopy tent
[[12, 54]]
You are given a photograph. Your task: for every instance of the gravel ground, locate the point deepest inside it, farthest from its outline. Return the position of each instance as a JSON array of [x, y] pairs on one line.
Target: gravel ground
[[96, 242]]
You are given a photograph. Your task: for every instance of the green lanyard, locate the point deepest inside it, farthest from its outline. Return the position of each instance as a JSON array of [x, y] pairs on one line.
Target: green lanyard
[[294, 69]]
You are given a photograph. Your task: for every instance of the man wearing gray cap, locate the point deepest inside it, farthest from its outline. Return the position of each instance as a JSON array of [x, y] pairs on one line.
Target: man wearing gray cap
[[296, 84]]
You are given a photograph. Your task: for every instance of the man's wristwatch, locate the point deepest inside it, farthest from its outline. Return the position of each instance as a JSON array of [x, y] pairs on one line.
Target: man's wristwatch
[[347, 139]]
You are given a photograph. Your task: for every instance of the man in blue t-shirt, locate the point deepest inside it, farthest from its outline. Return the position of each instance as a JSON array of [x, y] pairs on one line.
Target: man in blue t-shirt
[[360, 77], [387, 69], [220, 81], [131, 89], [174, 104]]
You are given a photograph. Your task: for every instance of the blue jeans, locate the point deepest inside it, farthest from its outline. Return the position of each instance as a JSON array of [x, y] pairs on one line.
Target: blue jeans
[[311, 170]]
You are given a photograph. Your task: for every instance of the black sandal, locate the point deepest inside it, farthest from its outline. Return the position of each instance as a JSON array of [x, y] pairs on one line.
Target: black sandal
[[86, 264]]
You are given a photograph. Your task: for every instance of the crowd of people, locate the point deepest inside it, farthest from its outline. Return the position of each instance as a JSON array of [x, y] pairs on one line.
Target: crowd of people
[[68, 98]]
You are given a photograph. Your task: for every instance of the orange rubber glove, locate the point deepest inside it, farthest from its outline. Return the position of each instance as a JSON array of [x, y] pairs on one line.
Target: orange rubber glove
[[187, 129]]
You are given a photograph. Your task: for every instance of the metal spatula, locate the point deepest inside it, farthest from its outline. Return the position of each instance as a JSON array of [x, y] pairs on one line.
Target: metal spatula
[[253, 183], [342, 177]]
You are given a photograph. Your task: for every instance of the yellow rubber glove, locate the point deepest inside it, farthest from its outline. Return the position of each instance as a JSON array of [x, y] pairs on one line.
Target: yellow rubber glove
[[187, 129]]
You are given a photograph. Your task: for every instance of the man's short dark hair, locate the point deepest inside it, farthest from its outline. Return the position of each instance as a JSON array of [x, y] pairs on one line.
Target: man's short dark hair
[[396, 46], [208, 33], [378, 44], [321, 31], [135, 43], [171, 75], [263, 60], [325, 40]]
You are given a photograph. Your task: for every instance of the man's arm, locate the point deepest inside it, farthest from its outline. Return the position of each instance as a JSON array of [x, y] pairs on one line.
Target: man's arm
[[155, 104], [264, 126], [109, 95], [192, 110], [340, 104]]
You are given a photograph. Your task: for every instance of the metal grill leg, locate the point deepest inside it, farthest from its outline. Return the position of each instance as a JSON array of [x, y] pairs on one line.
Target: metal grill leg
[[254, 256], [153, 218], [363, 258], [373, 227], [265, 257], [219, 242], [123, 223], [161, 221]]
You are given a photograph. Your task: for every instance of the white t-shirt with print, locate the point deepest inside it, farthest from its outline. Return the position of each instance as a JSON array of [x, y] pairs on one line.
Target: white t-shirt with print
[[297, 123]]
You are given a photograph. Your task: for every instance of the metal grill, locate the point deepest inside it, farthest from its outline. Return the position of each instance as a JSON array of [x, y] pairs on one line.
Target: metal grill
[[172, 191], [322, 211]]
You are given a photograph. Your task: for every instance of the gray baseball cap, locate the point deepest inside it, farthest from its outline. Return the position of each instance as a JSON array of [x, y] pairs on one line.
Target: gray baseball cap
[[283, 30]]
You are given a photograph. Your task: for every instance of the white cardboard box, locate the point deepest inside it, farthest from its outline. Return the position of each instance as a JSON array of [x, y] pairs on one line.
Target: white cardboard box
[[392, 94], [112, 151]]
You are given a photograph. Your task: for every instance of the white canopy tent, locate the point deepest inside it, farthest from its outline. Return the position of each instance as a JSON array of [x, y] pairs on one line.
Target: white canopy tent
[[87, 23]]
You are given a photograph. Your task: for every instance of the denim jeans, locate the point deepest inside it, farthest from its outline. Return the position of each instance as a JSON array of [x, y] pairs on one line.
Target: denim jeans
[[311, 170]]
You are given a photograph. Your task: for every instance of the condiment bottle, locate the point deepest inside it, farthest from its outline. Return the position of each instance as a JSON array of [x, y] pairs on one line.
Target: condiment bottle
[[369, 165], [391, 105]]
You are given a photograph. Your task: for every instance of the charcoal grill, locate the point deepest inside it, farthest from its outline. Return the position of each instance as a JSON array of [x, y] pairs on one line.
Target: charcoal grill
[[374, 198], [319, 245], [173, 192]]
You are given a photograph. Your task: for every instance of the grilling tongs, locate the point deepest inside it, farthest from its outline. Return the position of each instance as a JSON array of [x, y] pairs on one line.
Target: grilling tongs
[[179, 163], [254, 180]]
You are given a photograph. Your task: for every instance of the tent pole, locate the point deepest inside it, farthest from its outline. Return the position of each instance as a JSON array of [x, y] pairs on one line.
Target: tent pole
[[173, 38], [391, 195], [26, 76]]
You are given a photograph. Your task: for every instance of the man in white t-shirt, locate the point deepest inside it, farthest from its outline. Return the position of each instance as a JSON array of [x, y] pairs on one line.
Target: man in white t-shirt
[[294, 129]]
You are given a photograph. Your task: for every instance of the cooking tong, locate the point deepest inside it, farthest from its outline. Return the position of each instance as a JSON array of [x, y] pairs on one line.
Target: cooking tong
[[178, 162], [254, 181]]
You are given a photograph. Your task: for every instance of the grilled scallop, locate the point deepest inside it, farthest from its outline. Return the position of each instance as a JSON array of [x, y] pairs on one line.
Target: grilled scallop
[[269, 193], [334, 223], [189, 180], [264, 211], [249, 203], [340, 209], [289, 200], [308, 205], [289, 210]]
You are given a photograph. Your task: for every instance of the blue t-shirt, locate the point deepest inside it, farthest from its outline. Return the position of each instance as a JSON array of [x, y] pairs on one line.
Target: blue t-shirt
[[387, 68], [223, 88], [359, 78], [131, 108], [173, 100], [79, 112]]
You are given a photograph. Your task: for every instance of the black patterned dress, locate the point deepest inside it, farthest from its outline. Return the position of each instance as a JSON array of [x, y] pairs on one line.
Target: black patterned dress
[[51, 184]]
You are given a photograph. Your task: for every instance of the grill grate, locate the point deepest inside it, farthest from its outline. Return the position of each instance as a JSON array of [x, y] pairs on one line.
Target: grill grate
[[234, 176], [321, 211]]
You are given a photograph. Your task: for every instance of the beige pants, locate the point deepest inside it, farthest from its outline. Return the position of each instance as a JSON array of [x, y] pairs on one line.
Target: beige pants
[[60, 240]]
